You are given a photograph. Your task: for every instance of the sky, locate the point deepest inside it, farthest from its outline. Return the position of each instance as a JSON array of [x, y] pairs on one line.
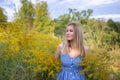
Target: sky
[[102, 9]]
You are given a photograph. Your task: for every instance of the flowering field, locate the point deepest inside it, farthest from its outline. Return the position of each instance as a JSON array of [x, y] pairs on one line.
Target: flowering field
[[27, 56], [30, 56]]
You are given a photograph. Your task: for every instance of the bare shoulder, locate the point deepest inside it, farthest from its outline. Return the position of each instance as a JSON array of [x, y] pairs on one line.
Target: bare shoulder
[[87, 48]]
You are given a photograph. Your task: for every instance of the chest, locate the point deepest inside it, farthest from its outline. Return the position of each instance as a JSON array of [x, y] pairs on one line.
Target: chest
[[73, 54], [67, 60]]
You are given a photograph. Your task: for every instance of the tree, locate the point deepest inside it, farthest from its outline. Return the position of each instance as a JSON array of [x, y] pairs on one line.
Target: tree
[[25, 15], [89, 13], [60, 25], [74, 15], [3, 17], [85, 14], [115, 26], [43, 22]]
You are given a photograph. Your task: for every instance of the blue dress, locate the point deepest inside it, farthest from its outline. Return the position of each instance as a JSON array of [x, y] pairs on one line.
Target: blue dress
[[70, 68]]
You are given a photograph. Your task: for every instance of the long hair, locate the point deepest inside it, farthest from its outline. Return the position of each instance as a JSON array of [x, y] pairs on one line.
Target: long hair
[[78, 41]]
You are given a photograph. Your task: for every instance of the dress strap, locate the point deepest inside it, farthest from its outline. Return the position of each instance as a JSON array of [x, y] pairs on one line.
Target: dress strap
[[63, 44]]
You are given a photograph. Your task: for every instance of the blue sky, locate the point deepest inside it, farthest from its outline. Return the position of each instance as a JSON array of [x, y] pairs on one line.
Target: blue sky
[[103, 9]]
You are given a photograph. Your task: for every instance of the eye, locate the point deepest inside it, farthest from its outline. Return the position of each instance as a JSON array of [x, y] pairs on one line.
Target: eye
[[66, 30], [71, 30]]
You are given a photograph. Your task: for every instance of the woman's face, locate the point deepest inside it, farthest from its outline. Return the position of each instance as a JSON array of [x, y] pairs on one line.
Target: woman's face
[[70, 33]]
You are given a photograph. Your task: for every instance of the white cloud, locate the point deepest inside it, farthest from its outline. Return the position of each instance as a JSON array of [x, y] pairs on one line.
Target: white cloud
[[82, 4], [10, 13], [99, 2], [33, 1], [107, 16], [17, 4], [90, 2], [6, 3], [69, 1], [48, 1]]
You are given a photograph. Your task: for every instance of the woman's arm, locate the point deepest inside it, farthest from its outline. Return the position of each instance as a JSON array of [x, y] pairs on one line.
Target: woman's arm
[[58, 51]]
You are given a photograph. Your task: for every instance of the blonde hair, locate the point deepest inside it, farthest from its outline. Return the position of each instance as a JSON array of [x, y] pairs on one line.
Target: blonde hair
[[78, 41]]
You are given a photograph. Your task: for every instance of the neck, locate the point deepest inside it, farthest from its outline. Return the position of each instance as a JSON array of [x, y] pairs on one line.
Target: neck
[[72, 44]]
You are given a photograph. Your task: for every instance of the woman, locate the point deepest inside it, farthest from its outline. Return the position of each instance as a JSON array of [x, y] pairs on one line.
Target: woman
[[71, 53]]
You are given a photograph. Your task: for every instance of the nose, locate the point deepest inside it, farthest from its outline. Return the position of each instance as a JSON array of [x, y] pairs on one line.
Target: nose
[[67, 33]]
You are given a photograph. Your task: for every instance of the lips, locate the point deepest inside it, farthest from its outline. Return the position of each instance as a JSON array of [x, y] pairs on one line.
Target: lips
[[67, 36]]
